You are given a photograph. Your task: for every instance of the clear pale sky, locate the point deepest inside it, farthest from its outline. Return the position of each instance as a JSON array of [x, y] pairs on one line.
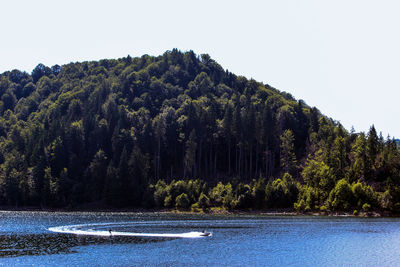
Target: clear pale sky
[[341, 56]]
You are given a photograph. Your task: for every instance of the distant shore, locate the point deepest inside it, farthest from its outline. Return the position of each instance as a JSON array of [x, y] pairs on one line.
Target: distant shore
[[285, 212]]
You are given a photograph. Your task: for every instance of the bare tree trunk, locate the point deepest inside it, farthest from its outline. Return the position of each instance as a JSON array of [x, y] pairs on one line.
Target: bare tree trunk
[[256, 158], [251, 162], [271, 164], [184, 165], [215, 163], [211, 162], [158, 157], [229, 158], [266, 161], [205, 162], [197, 170], [236, 159], [245, 168], [240, 160], [155, 165]]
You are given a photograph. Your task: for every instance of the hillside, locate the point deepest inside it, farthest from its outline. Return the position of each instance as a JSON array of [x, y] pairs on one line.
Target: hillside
[[178, 130]]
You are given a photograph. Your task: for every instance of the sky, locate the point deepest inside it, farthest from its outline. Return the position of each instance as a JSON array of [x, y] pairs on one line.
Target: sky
[[341, 56]]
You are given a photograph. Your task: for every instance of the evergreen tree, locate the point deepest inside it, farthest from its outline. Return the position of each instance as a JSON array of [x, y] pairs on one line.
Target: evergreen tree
[[288, 158], [108, 131]]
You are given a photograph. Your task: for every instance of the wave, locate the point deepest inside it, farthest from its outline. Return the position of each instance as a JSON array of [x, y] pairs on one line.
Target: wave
[[84, 229]]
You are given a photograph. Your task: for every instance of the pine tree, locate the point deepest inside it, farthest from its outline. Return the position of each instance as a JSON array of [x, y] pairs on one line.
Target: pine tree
[[288, 158]]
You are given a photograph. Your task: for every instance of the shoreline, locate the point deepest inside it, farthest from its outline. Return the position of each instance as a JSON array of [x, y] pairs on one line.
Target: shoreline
[[286, 212]]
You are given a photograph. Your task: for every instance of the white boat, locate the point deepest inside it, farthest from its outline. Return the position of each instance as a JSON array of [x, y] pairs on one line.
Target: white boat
[[205, 233]]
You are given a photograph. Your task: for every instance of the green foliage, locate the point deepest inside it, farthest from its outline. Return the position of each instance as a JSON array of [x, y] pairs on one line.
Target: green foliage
[[204, 201], [364, 194], [288, 158], [113, 131], [190, 156], [281, 193], [258, 193], [318, 174], [309, 198], [166, 195], [160, 193], [243, 198], [360, 167], [341, 197], [222, 195], [386, 200], [169, 201], [182, 201], [366, 207]]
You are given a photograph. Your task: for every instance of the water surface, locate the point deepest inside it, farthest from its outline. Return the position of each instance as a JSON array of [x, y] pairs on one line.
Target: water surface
[[237, 240]]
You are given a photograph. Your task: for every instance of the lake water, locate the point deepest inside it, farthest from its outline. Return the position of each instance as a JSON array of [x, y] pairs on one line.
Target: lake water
[[237, 240]]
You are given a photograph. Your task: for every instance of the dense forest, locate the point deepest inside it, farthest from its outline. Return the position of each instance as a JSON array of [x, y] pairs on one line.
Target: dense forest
[[179, 131]]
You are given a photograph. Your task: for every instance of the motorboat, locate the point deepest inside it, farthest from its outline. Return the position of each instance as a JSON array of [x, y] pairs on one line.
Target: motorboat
[[205, 233]]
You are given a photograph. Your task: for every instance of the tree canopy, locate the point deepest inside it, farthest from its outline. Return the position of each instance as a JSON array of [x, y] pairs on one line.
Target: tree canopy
[[178, 130]]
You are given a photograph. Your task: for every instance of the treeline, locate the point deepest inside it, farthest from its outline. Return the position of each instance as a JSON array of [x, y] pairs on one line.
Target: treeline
[[276, 194], [110, 131], [196, 195]]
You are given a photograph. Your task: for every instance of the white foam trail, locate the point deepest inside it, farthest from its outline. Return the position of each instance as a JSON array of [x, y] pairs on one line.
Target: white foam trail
[[74, 229]]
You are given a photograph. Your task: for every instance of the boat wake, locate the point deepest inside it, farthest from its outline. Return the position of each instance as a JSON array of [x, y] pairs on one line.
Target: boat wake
[[85, 229]]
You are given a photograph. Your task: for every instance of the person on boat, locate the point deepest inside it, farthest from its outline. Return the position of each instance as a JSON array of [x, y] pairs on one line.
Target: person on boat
[[110, 231]]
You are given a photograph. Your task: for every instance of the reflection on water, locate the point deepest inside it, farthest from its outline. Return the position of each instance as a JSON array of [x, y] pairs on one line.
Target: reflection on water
[[40, 244]]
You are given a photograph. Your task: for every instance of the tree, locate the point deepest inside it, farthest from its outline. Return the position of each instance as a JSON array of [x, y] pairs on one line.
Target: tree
[[190, 154], [159, 132], [309, 199], [222, 196], [281, 193], [372, 145], [139, 168], [110, 130], [364, 194], [361, 166], [204, 201], [56, 69], [124, 179], [40, 71], [237, 129], [319, 175], [339, 157], [341, 197], [258, 193], [98, 173], [182, 201], [160, 193], [288, 158], [227, 128]]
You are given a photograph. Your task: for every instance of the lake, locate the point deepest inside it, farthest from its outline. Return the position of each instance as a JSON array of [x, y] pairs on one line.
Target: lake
[[153, 239]]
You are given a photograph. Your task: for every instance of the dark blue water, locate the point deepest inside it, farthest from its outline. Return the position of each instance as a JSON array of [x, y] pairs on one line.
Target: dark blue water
[[251, 240]]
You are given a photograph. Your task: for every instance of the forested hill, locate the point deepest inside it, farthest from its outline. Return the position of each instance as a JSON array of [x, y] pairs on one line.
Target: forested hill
[[178, 130]]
